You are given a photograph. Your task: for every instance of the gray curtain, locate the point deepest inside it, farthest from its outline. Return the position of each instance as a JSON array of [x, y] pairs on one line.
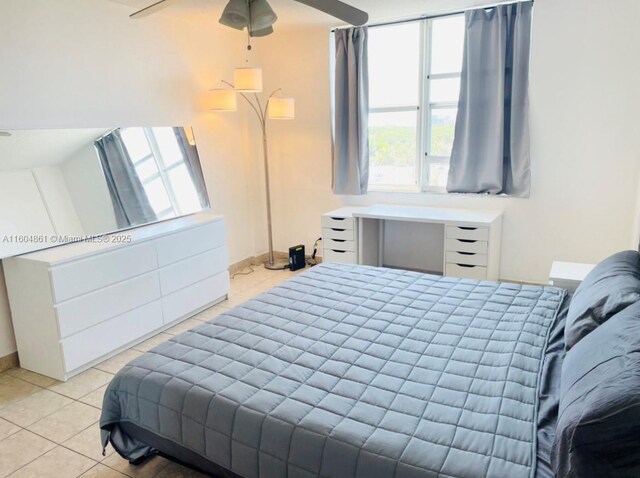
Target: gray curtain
[[351, 112], [491, 146], [192, 161], [130, 202]]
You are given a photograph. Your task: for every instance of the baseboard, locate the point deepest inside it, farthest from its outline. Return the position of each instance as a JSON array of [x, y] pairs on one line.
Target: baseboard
[[261, 259], [253, 261], [9, 361]]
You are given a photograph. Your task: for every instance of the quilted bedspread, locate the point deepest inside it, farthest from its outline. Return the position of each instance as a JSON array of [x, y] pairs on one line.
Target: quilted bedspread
[[352, 371]]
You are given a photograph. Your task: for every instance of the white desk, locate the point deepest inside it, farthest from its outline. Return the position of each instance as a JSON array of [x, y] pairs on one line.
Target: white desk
[[460, 242]]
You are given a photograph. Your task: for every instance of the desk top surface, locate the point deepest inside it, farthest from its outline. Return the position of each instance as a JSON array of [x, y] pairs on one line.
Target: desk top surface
[[439, 215]]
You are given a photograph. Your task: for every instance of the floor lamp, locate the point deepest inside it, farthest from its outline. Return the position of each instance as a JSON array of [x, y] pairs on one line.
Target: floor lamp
[[247, 82]]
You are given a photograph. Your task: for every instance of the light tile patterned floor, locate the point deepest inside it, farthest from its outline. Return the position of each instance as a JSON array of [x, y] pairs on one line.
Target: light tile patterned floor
[[50, 429]]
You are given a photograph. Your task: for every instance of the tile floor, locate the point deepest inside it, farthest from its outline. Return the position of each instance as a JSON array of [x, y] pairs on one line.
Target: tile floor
[[50, 428]]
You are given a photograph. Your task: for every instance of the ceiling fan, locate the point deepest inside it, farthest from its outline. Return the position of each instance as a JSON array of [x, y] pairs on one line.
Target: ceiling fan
[[258, 16]]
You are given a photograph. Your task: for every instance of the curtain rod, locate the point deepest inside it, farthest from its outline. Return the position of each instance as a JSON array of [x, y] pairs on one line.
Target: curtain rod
[[438, 15]]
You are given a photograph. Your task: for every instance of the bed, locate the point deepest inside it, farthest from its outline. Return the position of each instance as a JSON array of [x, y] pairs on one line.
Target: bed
[[354, 371]]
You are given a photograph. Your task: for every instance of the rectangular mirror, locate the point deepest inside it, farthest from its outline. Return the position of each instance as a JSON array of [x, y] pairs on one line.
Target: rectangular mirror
[[59, 186]]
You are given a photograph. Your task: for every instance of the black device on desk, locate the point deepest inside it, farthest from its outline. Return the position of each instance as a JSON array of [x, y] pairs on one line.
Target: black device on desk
[[296, 258]]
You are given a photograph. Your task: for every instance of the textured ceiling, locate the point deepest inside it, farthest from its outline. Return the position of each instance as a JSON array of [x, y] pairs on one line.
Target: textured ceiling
[[291, 13]]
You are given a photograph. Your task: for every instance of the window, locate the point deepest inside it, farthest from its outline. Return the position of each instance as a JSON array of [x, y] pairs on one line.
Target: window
[[414, 83], [160, 163]]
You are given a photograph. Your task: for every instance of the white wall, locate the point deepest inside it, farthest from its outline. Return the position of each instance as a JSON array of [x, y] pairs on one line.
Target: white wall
[[23, 211], [79, 63], [57, 200], [585, 142], [88, 189]]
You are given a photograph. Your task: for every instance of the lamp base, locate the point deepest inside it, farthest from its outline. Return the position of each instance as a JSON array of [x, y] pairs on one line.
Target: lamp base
[[276, 265]]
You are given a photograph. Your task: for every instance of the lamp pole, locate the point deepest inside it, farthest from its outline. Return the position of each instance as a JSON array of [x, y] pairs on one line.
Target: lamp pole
[[262, 114]]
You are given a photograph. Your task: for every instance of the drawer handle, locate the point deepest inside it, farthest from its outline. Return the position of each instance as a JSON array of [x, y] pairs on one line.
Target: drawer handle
[[339, 240], [466, 265], [467, 228], [338, 230], [467, 241], [339, 252], [466, 253], [338, 218]]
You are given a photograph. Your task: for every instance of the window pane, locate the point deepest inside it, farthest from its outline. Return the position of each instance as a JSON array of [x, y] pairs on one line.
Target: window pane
[[184, 190], [447, 38], [157, 195], [146, 169], [394, 65], [446, 90], [136, 143], [392, 145], [443, 124], [168, 146], [438, 174]]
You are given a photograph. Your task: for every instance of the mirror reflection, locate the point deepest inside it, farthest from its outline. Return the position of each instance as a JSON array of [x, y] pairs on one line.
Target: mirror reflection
[[59, 186]]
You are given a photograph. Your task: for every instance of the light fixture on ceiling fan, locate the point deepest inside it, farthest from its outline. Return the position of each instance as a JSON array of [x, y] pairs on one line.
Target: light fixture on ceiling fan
[[258, 16], [255, 15]]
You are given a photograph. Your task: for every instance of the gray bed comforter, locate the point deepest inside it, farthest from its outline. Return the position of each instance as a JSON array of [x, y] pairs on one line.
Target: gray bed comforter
[[350, 371]]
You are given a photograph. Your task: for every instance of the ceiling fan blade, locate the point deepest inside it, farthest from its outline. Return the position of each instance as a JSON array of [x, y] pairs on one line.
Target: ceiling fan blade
[[340, 10], [153, 8]]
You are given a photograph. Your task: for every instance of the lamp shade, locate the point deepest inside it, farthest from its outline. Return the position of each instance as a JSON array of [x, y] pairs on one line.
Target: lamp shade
[[223, 100], [262, 15], [282, 108], [261, 33], [236, 14], [247, 80]]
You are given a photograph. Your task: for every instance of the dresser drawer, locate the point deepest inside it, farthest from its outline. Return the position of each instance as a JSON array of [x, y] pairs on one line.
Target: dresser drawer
[[465, 271], [468, 232], [334, 255], [101, 270], [181, 245], [194, 269], [466, 245], [339, 234], [340, 245], [467, 258], [102, 339], [91, 309], [189, 300], [338, 222]]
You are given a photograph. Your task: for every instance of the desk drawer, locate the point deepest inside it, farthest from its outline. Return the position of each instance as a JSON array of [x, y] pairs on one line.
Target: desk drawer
[[340, 245], [181, 245], [467, 258], [195, 269], [102, 339], [334, 255], [191, 299], [465, 271], [101, 270], [338, 222], [339, 234], [466, 245], [91, 309], [468, 232]]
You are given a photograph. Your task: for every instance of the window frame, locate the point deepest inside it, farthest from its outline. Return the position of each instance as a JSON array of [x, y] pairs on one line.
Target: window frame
[[424, 108], [162, 173]]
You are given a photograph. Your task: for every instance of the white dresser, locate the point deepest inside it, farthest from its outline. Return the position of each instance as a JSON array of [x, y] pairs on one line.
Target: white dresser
[[75, 305], [464, 243]]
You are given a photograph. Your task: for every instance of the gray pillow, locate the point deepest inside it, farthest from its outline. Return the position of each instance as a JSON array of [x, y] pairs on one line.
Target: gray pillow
[[611, 286], [598, 430]]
